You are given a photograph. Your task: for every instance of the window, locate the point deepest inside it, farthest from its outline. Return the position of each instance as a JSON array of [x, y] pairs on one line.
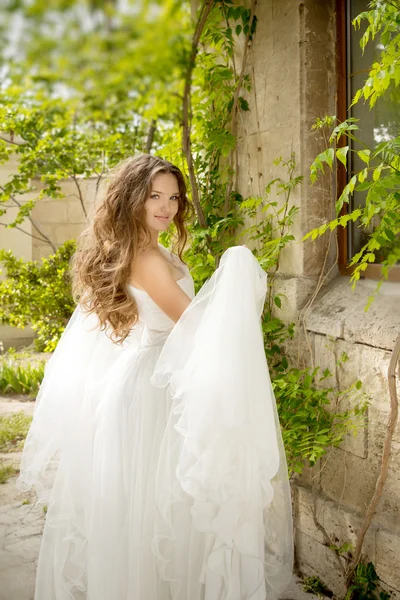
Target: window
[[377, 124]]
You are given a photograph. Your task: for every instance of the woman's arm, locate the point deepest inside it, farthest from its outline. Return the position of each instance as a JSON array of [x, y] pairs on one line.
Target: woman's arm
[[155, 277]]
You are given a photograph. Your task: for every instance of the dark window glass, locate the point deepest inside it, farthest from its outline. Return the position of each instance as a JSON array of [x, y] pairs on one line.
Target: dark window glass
[[376, 124]]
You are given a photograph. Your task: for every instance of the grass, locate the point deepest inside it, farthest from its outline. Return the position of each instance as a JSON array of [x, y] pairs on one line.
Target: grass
[[7, 471], [13, 431]]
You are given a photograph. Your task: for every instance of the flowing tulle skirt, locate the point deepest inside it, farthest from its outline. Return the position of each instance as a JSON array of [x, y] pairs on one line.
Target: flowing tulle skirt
[[171, 480]]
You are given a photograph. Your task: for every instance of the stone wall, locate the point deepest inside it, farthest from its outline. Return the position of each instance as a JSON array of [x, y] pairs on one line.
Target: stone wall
[[345, 481], [293, 68], [64, 219]]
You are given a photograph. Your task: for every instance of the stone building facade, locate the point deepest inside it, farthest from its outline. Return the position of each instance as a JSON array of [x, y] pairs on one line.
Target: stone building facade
[[295, 67], [295, 63]]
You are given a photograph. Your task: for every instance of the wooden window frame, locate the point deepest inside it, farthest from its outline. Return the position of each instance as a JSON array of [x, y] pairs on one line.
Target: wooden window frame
[[373, 271]]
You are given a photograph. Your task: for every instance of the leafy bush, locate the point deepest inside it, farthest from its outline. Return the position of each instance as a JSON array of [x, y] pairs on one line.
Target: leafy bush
[[309, 425], [19, 378], [364, 584], [38, 294]]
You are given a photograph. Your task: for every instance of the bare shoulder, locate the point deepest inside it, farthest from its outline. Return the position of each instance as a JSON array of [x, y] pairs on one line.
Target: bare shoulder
[[150, 263], [153, 272]]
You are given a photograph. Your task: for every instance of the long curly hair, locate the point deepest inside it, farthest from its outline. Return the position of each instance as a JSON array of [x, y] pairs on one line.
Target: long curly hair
[[109, 244]]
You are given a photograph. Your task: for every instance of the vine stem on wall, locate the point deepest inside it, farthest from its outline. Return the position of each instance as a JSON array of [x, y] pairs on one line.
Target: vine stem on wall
[[186, 110], [391, 425], [234, 113]]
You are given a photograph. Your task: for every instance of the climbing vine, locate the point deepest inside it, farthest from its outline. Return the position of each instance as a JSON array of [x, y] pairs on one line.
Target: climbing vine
[[379, 217]]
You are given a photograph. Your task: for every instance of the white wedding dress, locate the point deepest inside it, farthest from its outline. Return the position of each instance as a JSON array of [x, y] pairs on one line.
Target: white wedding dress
[[170, 475]]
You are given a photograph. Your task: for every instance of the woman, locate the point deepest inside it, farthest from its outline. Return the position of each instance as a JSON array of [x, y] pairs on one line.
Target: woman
[[158, 415]]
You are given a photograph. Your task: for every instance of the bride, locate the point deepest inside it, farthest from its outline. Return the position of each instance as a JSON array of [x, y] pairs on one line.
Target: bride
[[155, 442]]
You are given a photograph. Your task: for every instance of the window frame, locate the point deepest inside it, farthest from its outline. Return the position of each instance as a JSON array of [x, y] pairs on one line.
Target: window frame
[[343, 32]]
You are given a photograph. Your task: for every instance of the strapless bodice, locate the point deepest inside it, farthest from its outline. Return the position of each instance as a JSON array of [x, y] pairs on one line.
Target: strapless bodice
[[150, 315], [149, 312]]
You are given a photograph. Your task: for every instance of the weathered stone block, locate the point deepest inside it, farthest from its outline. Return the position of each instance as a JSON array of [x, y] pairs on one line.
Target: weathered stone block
[[325, 358], [294, 293], [314, 558], [304, 520], [286, 30], [75, 212], [339, 312], [62, 233], [387, 557], [350, 478], [340, 522], [50, 211], [388, 509]]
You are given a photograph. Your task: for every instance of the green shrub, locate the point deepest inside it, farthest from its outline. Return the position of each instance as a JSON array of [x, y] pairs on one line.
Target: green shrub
[[364, 584], [19, 378], [309, 424], [314, 585], [38, 294]]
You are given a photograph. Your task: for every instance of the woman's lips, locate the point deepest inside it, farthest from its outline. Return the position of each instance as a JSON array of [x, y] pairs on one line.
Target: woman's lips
[[162, 218]]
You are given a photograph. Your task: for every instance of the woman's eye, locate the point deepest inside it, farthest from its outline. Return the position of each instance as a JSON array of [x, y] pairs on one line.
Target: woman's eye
[[157, 196]]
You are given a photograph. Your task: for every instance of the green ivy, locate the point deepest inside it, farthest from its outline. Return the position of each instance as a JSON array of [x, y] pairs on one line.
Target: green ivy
[[364, 584]]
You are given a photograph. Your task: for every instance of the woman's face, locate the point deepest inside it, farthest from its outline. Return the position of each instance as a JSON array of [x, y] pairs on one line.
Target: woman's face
[[163, 202]]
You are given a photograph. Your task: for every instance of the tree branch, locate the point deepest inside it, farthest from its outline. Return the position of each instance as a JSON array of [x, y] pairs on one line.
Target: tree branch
[[186, 125], [150, 136], [233, 126], [35, 237], [11, 142], [78, 187], [325, 534], [33, 222]]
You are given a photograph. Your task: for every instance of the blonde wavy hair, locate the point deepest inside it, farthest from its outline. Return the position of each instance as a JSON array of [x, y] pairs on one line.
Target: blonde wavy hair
[[108, 246]]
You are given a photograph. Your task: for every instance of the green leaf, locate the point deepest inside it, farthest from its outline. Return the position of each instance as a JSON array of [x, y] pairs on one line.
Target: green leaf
[[341, 154], [377, 172], [364, 155]]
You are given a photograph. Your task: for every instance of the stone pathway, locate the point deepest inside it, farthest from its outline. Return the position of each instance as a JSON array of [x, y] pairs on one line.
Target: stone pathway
[[21, 525]]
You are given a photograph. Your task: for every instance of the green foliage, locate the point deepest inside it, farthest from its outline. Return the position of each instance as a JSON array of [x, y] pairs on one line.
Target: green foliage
[[20, 378], [38, 294], [383, 20], [314, 585], [380, 175], [75, 104], [6, 471], [364, 584], [270, 219], [310, 414], [13, 431], [380, 178], [310, 421]]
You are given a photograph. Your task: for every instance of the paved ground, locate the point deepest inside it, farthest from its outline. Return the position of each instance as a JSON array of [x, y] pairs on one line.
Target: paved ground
[[21, 524]]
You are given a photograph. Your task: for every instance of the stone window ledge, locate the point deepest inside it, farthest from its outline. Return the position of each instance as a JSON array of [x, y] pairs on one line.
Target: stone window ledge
[[339, 312]]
